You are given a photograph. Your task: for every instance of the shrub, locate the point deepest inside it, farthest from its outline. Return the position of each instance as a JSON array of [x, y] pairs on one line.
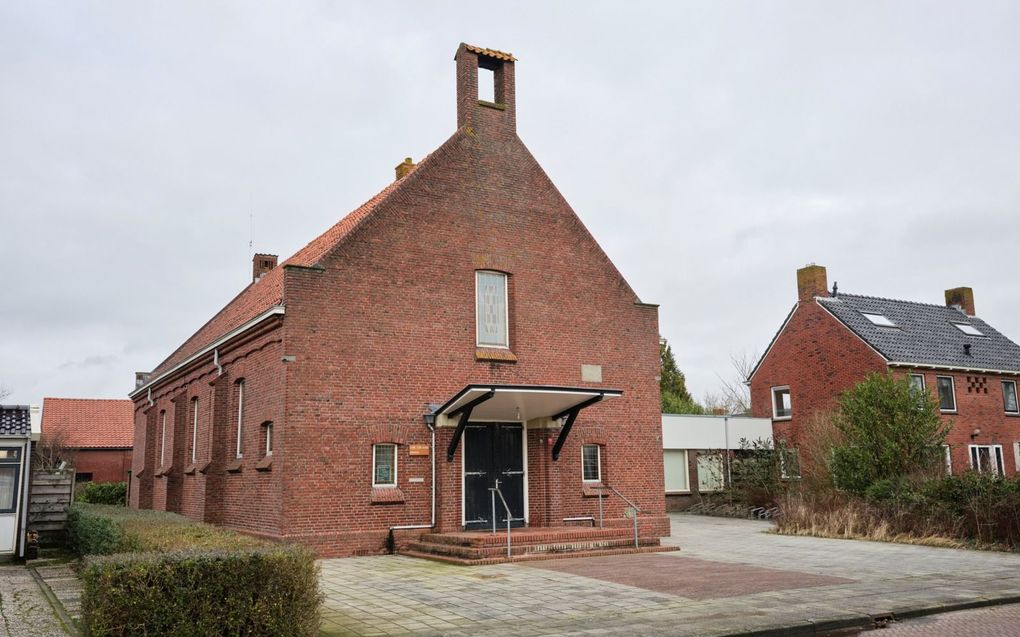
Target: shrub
[[253, 591], [102, 493], [90, 533]]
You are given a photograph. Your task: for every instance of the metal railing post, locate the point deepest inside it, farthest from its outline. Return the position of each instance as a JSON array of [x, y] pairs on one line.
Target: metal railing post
[[492, 492], [508, 535], [635, 529], [602, 494]]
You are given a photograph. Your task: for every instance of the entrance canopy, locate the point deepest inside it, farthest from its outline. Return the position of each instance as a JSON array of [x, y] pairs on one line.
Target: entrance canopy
[[516, 403]]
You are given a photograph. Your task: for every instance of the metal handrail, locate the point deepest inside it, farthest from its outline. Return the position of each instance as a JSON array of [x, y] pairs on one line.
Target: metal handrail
[[634, 506], [495, 491]]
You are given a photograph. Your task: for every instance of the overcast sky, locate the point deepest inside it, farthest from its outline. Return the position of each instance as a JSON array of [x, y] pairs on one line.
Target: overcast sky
[[712, 149]]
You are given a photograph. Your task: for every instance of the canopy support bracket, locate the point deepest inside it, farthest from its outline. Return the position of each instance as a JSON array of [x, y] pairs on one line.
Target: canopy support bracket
[[465, 415], [571, 415]]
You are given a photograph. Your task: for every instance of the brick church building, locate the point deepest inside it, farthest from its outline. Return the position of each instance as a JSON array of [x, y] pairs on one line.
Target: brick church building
[[831, 340], [459, 332]]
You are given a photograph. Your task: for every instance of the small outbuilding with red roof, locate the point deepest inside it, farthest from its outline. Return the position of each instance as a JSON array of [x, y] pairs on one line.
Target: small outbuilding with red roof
[[98, 434]]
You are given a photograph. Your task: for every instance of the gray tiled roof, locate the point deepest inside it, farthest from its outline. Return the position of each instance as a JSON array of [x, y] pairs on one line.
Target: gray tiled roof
[[925, 333], [15, 420]]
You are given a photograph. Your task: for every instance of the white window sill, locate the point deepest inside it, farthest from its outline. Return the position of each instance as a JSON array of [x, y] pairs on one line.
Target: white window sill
[[687, 492], [781, 418]]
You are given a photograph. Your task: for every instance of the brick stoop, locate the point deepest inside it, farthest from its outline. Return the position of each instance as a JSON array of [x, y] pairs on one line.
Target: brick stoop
[[479, 548]]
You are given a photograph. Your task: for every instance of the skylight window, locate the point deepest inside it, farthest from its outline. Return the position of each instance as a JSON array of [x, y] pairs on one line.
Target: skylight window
[[879, 319], [967, 328]]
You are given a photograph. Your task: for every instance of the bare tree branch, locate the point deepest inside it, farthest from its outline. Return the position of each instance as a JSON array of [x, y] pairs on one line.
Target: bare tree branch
[[734, 395]]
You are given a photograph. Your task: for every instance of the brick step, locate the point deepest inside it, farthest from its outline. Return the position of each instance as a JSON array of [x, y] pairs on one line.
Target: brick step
[[529, 557], [527, 536], [520, 548]]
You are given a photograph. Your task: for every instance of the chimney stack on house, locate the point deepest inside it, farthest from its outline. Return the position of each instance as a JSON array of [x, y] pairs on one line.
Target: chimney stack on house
[[962, 298], [261, 264], [404, 167], [496, 118], [812, 281]]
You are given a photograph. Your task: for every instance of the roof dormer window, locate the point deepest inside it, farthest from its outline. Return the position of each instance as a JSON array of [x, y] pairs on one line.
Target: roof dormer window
[[968, 329], [880, 320]]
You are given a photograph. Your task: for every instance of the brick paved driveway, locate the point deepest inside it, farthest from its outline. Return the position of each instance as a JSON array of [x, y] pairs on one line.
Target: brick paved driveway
[[998, 621], [730, 576]]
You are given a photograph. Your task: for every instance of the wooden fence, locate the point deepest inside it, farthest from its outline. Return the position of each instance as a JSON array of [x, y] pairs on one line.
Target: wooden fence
[[48, 502]]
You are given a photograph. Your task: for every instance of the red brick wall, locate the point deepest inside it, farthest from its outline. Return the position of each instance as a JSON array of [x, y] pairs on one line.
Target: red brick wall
[[105, 465], [818, 357]]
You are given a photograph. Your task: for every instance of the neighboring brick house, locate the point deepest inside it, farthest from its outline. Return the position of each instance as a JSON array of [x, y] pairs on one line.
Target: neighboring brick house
[[98, 433], [831, 341], [461, 329]]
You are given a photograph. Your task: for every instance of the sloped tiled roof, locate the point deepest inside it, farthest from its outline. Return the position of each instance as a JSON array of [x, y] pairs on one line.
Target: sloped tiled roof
[[15, 420], [925, 333], [89, 422], [492, 53], [267, 292]]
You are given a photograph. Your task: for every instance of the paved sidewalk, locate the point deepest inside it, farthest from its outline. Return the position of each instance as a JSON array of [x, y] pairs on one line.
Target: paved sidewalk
[[24, 610], [998, 621], [743, 579]]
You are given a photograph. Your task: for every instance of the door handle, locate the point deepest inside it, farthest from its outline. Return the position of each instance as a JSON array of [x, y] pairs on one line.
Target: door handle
[[513, 473], [476, 473]]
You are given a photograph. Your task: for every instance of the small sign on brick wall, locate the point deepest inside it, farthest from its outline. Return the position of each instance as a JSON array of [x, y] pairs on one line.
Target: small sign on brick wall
[[418, 450]]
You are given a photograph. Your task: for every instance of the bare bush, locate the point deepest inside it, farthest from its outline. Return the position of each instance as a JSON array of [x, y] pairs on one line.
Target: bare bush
[[50, 451]]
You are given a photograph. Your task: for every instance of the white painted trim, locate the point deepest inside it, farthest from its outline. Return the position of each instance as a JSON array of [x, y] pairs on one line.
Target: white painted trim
[[953, 368], [269, 439], [387, 485], [598, 462], [273, 311], [240, 419], [162, 439], [687, 470], [524, 448], [506, 308], [952, 382], [194, 429]]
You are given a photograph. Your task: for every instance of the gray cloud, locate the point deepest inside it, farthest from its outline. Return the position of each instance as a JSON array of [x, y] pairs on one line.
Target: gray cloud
[[712, 148]]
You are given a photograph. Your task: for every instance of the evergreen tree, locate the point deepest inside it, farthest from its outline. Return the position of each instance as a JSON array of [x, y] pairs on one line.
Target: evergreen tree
[[675, 397]]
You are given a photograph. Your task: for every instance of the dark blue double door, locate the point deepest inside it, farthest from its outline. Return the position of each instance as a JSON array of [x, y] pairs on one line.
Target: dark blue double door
[[493, 457]]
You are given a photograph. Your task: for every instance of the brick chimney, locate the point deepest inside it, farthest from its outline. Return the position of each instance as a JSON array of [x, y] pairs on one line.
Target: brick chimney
[[962, 298], [261, 264], [498, 117], [812, 281], [404, 167]]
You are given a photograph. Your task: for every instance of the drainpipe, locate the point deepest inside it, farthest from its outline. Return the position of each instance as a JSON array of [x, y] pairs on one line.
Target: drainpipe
[[726, 433], [430, 423], [26, 477], [216, 362]]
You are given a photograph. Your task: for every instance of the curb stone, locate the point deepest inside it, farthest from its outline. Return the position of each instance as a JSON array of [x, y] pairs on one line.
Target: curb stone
[[68, 624]]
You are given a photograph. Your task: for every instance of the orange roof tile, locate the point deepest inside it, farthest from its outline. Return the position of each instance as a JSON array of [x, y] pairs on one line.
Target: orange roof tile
[[492, 53], [90, 422], [263, 294]]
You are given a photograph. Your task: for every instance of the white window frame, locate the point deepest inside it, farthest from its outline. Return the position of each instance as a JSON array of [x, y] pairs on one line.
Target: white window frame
[[721, 476], [385, 485], [952, 385], [598, 463], [162, 439], [1016, 398], [686, 470], [269, 439], [194, 429], [240, 419], [775, 410], [948, 457], [996, 455], [923, 382], [784, 472], [506, 310]]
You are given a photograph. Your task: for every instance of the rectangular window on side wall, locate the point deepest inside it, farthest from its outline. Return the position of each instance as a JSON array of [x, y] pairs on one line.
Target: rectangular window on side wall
[[194, 429], [240, 419], [10, 469], [782, 406], [987, 459], [710, 472], [492, 314], [591, 463], [947, 454], [269, 438], [162, 439], [947, 393], [674, 464], [384, 465], [917, 383], [1009, 401]]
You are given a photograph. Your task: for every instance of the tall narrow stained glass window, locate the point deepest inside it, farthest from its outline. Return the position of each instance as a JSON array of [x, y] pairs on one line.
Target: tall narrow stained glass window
[[491, 314]]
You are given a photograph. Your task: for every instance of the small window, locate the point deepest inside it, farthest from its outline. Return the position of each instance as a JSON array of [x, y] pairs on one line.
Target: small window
[[968, 329], [10, 469], [880, 320], [987, 459], [269, 438], [948, 456], [782, 407], [674, 462], [162, 439], [591, 463], [1009, 402], [384, 465], [240, 419], [82, 477], [194, 429], [789, 464], [491, 311], [710, 472], [917, 383], [947, 393]]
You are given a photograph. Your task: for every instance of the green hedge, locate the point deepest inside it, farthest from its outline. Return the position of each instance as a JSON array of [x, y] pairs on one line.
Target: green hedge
[[90, 533], [253, 591], [102, 493]]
